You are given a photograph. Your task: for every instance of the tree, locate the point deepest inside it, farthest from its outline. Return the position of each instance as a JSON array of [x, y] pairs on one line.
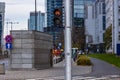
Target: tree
[[78, 37], [108, 37]]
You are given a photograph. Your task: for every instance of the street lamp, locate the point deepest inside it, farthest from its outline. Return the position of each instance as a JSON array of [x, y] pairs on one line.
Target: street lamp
[[11, 24]]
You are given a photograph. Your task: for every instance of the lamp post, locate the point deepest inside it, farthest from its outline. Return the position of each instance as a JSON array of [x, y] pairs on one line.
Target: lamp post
[[12, 24]]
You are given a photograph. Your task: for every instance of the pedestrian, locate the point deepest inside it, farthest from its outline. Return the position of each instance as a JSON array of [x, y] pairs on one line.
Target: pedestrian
[[75, 55], [87, 51], [80, 52]]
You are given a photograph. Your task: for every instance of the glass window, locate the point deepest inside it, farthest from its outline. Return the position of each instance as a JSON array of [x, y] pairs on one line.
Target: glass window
[[79, 6], [119, 36], [119, 22], [104, 22], [78, 2], [0, 17], [79, 15], [103, 6], [0, 22], [79, 11]]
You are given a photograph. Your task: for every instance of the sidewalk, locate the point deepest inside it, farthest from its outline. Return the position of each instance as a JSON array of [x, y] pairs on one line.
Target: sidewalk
[[57, 70], [109, 77]]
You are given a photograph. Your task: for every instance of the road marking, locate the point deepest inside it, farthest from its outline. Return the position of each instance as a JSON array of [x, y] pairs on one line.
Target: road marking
[[107, 77]]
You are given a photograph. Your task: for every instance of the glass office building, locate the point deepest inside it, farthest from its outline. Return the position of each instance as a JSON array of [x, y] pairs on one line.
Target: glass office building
[[40, 21], [51, 5], [2, 12], [79, 12]]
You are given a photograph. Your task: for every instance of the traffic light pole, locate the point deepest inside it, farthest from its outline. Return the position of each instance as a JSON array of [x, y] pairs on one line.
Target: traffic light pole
[[35, 15], [68, 69]]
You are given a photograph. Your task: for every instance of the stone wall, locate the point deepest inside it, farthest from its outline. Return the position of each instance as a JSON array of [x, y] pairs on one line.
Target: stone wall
[[31, 49]]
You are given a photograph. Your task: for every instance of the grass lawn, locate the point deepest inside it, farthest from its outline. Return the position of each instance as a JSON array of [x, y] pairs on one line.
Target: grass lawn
[[110, 58]]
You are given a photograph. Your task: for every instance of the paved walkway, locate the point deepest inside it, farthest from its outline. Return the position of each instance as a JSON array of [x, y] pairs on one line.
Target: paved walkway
[[101, 68], [57, 70], [100, 71]]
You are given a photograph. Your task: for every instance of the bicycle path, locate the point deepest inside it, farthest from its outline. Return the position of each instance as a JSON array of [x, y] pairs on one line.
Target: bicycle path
[[102, 68]]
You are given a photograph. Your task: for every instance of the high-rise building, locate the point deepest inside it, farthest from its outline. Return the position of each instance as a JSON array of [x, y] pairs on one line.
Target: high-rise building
[[90, 24], [51, 5], [95, 25], [2, 13], [40, 21], [78, 20], [113, 19], [79, 12]]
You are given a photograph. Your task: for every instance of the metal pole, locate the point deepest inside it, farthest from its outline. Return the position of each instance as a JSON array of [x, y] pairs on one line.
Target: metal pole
[[113, 33], [68, 69], [11, 25], [35, 16], [7, 27]]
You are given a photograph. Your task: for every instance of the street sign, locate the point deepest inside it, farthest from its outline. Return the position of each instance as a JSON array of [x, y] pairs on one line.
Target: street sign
[[60, 44], [8, 45], [8, 39]]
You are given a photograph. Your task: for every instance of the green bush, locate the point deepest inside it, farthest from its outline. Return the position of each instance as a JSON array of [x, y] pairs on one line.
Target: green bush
[[83, 60]]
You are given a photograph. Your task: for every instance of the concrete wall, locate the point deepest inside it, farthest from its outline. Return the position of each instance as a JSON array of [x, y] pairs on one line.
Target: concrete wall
[[31, 49]]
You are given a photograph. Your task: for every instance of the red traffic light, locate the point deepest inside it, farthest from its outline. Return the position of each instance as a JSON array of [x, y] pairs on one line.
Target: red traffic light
[[57, 17], [57, 12]]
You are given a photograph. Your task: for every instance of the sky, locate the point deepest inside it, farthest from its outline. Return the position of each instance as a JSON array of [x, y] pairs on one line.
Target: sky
[[18, 11]]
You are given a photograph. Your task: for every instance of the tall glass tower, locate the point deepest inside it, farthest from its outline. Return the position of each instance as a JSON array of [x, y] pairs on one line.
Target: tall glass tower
[[78, 25], [51, 5], [40, 21], [79, 12], [2, 12]]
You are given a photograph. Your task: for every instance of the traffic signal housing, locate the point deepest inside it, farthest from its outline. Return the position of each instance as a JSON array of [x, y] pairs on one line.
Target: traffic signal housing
[[57, 17]]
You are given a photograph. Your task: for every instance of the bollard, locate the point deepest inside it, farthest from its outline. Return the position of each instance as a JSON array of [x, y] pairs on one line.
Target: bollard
[[2, 68]]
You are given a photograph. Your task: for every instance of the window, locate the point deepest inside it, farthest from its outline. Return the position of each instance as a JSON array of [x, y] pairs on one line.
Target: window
[[103, 8], [0, 22], [99, 8], [118, 8], [119, 36], [119, 22], [104, 22]]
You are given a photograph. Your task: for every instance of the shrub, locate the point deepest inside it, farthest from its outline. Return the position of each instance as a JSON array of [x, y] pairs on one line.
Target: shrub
[[83, 60]]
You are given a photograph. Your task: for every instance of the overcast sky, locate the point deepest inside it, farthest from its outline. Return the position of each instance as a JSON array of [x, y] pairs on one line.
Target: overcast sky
[[19, 10]]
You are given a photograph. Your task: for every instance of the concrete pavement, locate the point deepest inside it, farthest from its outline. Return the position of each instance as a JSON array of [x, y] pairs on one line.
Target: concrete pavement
[[57, 70], [99, 71]]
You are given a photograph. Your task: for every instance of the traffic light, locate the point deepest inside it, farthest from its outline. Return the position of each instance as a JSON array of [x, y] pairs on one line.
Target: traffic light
[[57, 18]]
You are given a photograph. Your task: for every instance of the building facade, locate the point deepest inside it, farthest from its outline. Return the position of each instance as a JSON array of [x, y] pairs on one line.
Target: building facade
[[78, 20], [2, 14], [113, 19], [100, 24], [40, 21], [116, 27], [50, 28], [95, 25], [109, 21], [90, 24], [79, 11]]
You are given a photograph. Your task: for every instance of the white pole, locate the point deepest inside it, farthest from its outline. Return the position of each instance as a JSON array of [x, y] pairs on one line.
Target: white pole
[[67, 38]]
